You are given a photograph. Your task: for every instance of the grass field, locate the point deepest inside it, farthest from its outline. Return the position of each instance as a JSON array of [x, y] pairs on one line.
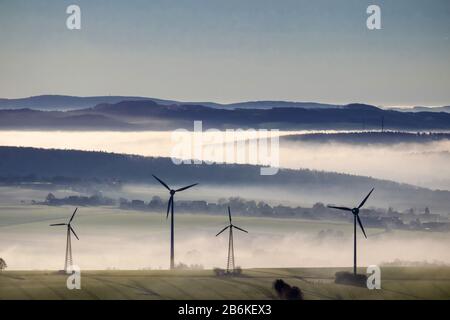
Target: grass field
[[316, 283]]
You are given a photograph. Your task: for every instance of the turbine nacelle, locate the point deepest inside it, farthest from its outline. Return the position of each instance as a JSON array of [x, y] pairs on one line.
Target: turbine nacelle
[[230, 225], [356, 211], [69, 224], [172, 193]]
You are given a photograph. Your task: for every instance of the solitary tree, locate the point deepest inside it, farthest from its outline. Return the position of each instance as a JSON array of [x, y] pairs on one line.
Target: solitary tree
[[3, 264]]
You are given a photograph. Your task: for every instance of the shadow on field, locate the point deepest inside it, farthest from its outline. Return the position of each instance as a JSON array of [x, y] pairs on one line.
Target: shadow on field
[[350, 279], [141, 290]]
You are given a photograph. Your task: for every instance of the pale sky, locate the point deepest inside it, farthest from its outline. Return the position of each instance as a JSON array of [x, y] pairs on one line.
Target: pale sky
[[229, 50]]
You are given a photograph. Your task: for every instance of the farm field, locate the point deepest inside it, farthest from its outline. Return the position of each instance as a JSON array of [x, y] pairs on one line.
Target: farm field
[[315, 283]]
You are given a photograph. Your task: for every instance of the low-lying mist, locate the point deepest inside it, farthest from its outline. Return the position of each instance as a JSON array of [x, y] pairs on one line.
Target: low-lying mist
[[423, 164], [114, 239]]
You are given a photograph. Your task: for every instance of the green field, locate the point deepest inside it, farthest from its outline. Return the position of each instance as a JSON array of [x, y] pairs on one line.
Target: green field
[[316, 283]]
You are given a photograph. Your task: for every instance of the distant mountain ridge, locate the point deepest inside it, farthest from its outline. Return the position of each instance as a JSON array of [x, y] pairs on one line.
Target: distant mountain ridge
[[150, 115], [63, 103], [67, 103]]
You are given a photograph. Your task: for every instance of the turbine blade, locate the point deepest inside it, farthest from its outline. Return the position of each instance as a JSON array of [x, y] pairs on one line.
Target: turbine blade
[[169, 204], [58, 224], [229, 213], [365, 199], [184, 188], [73, 215], [241, 229], [73, 231], [162, 182], [340, 208], [360, 224], [222, 230]]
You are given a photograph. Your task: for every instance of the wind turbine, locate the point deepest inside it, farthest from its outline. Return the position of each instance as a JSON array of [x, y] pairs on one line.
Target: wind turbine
[[356, 218], [68, 262], [230, 261], [170, 207]]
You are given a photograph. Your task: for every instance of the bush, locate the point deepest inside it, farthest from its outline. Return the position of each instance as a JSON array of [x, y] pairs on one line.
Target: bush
[[287, 292], [279, 285], [295, 294]]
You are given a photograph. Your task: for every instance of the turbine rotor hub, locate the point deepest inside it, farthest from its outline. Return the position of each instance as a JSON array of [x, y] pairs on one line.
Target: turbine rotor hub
[[355, 211], [172, 192]]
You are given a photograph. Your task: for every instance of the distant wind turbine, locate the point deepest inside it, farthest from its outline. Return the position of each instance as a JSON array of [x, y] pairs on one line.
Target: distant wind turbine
[[230, 260], [356, 218], [170, 208], [68, 261]]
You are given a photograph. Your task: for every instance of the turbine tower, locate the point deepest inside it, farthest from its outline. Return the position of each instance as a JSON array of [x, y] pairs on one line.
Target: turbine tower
[[356, 218], [68, 263], [170, 208], [230, 260]]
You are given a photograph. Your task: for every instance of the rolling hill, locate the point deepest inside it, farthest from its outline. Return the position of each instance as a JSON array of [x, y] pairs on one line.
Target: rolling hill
[[150, 115]]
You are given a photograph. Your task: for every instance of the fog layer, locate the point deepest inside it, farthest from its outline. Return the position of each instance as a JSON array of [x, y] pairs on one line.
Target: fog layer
[[133, 240], [422, 164]]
